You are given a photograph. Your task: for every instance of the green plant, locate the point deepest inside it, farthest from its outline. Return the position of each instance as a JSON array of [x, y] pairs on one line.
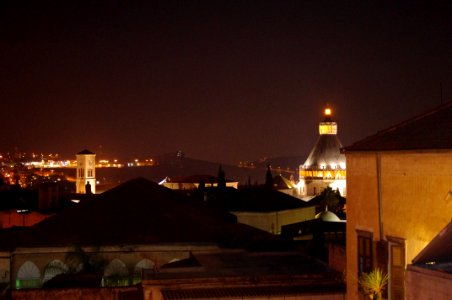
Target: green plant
[[373, 283]]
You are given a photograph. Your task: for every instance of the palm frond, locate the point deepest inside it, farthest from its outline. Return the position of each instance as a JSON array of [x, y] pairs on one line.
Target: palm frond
[[373, 283]]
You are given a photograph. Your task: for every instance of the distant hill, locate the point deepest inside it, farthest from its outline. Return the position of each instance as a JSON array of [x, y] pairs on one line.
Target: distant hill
[[176, 164], [284, 162]]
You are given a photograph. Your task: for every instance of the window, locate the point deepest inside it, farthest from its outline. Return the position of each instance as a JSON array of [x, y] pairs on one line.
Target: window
[[396, 286], [28, 276], [90, 172], [364, 252]]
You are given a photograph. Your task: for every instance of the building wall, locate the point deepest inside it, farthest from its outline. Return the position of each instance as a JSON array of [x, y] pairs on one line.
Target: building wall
[[4, 267], [79, 293], [427, 284], [155, 294], [273, 221], [130, 255], [314, 187], [415, 200], [337, 257]]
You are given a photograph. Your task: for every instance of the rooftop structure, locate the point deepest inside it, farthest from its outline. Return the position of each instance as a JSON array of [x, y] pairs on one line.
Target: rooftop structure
[[245, 275]]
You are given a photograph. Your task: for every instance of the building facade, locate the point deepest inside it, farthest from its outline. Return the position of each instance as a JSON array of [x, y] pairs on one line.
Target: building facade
[[399, 196]]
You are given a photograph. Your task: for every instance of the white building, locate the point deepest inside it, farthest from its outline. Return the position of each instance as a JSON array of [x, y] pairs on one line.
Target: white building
[[325, 165], [86, 172]]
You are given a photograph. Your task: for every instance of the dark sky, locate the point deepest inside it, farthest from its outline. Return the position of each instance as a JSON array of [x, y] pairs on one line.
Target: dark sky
[[221, 80]]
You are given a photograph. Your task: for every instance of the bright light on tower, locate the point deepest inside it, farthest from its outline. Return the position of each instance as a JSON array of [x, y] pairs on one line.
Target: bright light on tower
[[328, 111]]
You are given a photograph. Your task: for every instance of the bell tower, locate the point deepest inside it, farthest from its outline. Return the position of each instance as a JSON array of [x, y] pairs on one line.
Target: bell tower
[[86, 172]]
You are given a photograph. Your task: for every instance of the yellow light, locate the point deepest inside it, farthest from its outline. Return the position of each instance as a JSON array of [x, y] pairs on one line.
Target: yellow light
[[327, 112]]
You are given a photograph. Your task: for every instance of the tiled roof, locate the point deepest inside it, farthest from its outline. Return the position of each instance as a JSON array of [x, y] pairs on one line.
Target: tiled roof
[[138, 211], [427, 131]]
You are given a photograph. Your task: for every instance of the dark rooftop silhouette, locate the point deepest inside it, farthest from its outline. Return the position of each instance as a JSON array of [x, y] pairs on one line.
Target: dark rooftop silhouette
[[138, 212], [430, 130], [86, 151], [253, 199], [438, 251]]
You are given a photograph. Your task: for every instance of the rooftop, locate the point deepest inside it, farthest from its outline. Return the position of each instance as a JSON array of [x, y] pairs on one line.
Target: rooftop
[[247, 274], [136, 212], [438, 253], [85, 151], [427, 131], [195, 179], [253, 199]]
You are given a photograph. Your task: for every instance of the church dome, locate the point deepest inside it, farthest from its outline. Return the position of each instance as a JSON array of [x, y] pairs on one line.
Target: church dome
[[327, 216], [326, 154]]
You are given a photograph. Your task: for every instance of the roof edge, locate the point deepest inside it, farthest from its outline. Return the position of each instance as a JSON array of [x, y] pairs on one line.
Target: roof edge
[[411, 120]]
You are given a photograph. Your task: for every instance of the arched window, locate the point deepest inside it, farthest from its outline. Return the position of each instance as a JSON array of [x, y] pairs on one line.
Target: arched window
[[143, 265], [54, 268], [28, 276], [116, 274], [116, 268]]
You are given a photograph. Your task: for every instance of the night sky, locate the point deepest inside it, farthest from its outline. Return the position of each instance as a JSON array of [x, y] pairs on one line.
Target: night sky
[[221, 80]]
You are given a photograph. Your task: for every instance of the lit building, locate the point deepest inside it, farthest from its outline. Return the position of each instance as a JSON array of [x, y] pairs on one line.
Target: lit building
[[399, 197], [86, 172], [192, 182], [325, 165]]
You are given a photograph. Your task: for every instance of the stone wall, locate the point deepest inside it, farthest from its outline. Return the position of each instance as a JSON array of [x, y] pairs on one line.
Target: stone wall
[[415, 202]]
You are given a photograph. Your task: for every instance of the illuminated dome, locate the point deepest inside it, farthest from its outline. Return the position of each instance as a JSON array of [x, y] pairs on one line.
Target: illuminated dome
[[326, 154], [327, 216]]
